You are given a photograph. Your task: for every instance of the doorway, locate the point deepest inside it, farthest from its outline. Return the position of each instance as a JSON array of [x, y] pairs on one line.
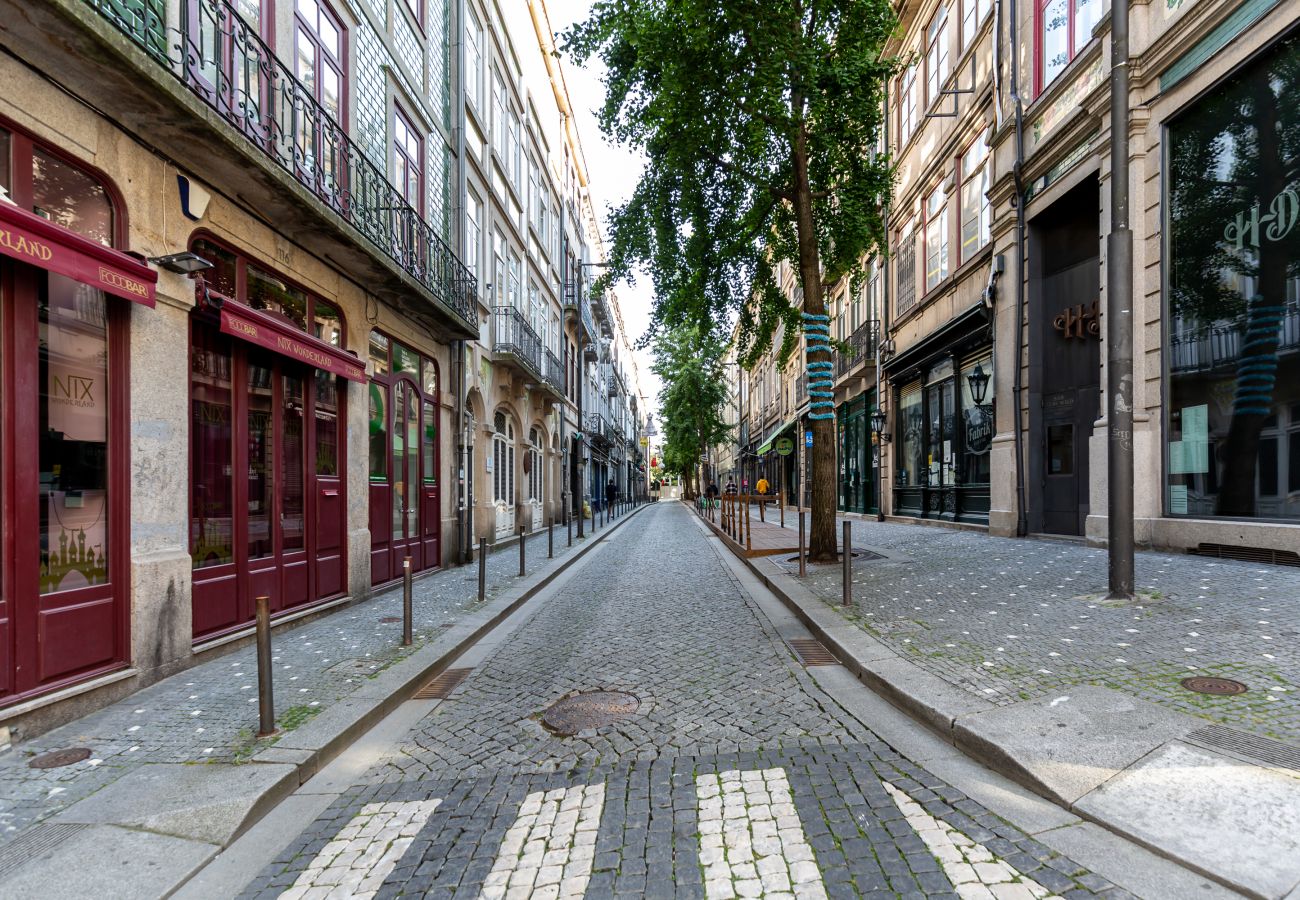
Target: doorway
[[1064, 248]]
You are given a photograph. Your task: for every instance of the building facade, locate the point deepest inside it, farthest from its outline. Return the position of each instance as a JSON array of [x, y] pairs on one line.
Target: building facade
[[271, 320]]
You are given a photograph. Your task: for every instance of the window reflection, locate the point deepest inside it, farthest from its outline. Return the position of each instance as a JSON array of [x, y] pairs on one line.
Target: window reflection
[[71, 198]]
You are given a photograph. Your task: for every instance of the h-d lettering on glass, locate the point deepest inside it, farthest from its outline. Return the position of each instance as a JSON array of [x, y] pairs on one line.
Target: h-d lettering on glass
[[1283, 213]]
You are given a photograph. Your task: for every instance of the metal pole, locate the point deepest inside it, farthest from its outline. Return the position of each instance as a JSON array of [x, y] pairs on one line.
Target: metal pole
[[482, 568], [406, 602], [522, 544], [781, 500], [803, 570], [749, 527], [848, 564], [265, 696], [569, 528], [550, 539], [1119, 319]]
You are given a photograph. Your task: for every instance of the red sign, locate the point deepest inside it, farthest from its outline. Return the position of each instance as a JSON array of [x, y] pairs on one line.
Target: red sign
[[29, 238], [267, 331]]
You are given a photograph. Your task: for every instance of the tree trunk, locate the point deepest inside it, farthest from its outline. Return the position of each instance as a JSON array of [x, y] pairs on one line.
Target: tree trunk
[[822, 542]]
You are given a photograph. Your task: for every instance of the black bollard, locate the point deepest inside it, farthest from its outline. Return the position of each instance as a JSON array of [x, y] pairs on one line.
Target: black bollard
[[407, 637], [802, 565], [550, 539], [848, 564], [482, 568], [522, 544], [265, 696]]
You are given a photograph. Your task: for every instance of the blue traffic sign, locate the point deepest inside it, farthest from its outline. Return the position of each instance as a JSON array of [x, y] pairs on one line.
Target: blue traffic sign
[[807, 438]]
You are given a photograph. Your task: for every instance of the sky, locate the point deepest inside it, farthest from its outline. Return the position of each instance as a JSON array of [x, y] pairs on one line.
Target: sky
[[613, 172]]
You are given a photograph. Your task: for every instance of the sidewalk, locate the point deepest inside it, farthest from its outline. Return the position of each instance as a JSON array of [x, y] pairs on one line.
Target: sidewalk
[[1009, 648], [167, 783]]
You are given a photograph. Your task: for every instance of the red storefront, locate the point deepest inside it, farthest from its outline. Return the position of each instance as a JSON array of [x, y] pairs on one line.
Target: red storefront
[[65, 297], [267, 460]]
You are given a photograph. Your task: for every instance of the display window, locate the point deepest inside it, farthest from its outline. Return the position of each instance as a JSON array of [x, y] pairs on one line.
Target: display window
[[266, 453], [1232, 305], [405, 509]]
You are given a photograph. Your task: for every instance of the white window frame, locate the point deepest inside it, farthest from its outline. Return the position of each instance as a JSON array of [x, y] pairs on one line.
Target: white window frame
[[935, 241]]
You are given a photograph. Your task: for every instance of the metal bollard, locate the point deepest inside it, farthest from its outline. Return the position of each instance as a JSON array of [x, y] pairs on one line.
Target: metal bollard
[[406, 602], [482, 568], [803, 570], [848, 564], [265, 696], [522, 544], [749, 528], [570, 530], [550, 539], [781, 501]]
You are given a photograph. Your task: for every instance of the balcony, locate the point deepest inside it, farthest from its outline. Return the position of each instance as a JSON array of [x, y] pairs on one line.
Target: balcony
[[202, 88], [598, 430], [1209, 348], [577, 306], [513, 340], [862, 348]]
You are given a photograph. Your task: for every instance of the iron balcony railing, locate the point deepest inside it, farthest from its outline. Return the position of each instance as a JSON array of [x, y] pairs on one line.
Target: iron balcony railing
[[862, 346], [512, 335], [1210, 347], [597, 429], [224, 62]]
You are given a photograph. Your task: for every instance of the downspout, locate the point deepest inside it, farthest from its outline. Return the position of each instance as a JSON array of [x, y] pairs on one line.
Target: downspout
[[881, 340], [1017, 381], [462, 191]]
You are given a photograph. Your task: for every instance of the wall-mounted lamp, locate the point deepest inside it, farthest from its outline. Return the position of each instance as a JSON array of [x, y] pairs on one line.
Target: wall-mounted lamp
[[186, 263], [879, 423], [979, 384]]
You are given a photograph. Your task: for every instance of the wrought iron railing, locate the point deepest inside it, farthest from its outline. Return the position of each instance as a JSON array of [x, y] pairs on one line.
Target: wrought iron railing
[[511, 334], [224, 62], [597, 429], [1209, 347], [862, 346]]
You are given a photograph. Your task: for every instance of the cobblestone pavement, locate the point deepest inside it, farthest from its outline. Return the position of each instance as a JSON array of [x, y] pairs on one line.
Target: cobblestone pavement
[[737, 776], [208, 713], [1013, 619]]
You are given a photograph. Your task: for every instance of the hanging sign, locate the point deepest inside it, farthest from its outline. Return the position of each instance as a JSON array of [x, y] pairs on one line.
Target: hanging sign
[[979, 430], [267, 331], [784, 446]]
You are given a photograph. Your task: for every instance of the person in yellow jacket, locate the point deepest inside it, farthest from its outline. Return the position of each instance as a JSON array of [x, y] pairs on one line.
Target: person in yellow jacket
[[762, 486]]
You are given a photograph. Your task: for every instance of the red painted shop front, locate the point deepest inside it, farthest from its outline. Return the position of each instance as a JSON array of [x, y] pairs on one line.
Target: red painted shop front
[[267, 467], [65, 298]]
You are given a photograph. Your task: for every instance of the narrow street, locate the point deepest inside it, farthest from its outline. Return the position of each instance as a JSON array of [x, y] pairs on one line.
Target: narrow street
[[730, 771]]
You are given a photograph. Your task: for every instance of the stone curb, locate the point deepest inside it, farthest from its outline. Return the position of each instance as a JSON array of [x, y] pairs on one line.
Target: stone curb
[[956, 715]]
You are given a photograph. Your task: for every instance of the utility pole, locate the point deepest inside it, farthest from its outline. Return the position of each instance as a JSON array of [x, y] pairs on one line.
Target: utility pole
[[1119, 320]]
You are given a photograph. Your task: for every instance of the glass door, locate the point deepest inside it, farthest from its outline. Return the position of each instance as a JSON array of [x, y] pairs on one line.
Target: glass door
[[406, 476]]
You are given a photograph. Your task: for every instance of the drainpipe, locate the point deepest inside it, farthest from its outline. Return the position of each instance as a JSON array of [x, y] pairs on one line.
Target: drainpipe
[[1017, 381], [1119, 321], [462, 191], [881, 339]]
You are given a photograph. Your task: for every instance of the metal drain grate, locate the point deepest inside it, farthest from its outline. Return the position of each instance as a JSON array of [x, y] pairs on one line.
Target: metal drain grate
[[1248, 554], [442, 685], [1252, 746], [39, 839], [812, 653]]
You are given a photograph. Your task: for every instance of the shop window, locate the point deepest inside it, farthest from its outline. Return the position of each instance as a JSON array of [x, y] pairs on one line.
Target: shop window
[[405, 360], [1233, 304], [937, 60], [211, 448], [430, 443], [327, 416], [975, 208], [6, 176], [976, 384], [327, 323], [70, 197], [378, 432], [911, 461], [268, 292], [936, 238], [429, 377]]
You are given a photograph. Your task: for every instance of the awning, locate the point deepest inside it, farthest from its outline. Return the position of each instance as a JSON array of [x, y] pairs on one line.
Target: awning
[[771, 438], [270, 332], [766, 447], [29, 238]]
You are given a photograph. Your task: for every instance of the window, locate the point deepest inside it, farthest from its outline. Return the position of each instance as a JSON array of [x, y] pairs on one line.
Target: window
[[416, 9], [973, 12], [906, 268], [856, 319], [1233, 303], [473, 232], [936, 238], [408, 150], [514, 288], [1064, 28], [318, 48], [937, 62], [500, 105], [975, 209], [535, 205], [513, 158], [499, 269], [911, 462], [906, 104], [474, 58], [873, 292]]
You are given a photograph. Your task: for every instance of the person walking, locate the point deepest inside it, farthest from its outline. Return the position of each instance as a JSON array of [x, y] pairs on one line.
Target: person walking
[[762, 486], [611, 492]]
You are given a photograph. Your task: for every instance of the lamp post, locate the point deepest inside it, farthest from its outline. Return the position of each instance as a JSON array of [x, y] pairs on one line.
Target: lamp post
[[879, 426]]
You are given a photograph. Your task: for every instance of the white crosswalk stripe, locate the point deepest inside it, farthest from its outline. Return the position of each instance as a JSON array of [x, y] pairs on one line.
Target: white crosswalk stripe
[[752, 843], [355, 864], [549, 850]]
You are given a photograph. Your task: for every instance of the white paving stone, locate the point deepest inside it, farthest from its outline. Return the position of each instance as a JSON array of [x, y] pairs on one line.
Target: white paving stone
[[356, 862], [548, 852]]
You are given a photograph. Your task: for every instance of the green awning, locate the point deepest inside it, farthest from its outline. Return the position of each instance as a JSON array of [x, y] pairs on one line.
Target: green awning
[[766, 447], [771, 438]]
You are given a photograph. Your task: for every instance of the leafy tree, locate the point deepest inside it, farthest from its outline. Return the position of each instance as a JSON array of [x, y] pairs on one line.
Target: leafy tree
[[692, 400], [759, 122], [1235, 237]]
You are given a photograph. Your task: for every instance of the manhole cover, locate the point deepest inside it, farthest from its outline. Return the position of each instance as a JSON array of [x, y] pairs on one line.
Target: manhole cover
[[583, 711], [1222, 686], [57, 758], [857, 554]]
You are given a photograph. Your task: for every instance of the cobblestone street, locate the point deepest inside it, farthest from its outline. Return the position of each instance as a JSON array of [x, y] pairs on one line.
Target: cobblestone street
[[735, 776], [1013, 619]]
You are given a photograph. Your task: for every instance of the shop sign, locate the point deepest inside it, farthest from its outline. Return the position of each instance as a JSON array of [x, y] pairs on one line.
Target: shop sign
[[784, 446], [1079, 321], [259, 328], [979, 430], [30, 239], [1283, 213]]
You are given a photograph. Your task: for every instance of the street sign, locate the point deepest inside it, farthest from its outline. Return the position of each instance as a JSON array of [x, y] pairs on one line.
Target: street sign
[[807, 438], [784, 446]]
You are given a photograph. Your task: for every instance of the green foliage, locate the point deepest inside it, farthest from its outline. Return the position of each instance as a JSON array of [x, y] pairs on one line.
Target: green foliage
[[691, 403], [760, 123]]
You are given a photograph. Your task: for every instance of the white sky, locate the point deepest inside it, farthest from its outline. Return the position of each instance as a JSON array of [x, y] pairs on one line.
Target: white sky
[[613, 172]]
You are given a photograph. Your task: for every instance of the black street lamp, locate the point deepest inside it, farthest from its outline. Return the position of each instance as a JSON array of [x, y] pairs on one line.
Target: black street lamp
[[879, 427], [879, 420], [979, 384]]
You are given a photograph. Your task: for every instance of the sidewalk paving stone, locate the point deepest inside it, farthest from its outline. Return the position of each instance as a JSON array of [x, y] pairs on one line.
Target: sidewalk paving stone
[[208, 713]]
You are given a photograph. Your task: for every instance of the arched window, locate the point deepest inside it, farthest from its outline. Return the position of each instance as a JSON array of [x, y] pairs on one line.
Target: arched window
[[503, 460], [534, 466]]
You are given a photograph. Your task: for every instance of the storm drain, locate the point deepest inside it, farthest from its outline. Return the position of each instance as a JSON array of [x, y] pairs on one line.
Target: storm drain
[[582, 712], [35, 841], [1219, 687], [56, 759], [1252, 746], [1248, 554], [812, 653], [442, 685]]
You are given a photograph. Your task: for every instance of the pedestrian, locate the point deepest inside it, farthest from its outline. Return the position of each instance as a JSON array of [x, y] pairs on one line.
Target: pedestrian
[[731, 487], [611, 492], [762, 486], [711, 494]]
